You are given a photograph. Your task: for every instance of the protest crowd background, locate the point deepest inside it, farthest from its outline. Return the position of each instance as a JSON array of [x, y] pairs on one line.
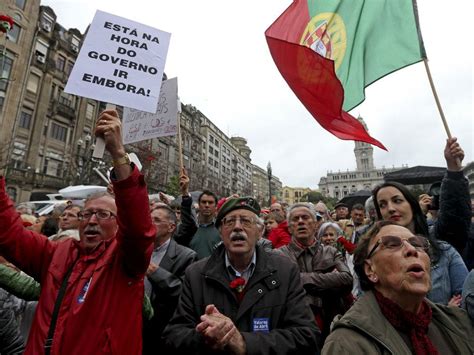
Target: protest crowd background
[[159, 253]]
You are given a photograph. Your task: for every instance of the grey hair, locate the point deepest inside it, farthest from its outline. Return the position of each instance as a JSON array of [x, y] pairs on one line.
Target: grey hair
[[97, 195], [327, 225], [369, 204], [259, 222], [307, 205]]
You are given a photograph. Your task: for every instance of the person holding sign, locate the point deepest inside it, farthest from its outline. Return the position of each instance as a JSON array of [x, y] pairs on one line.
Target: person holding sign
[[242, 300], [92, 289]]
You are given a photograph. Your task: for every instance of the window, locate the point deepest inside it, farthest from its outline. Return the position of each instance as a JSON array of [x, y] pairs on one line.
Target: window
[[58, 132], [25, 119], [33, 82], [14, 34], [69, 67], [60, 63], [18, 153], [53, 167], [90, 111], [5, 71], [20, 4], [66, 99]]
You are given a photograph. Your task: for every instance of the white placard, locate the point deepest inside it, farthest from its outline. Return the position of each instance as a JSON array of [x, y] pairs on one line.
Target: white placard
[[121, 62], [139, 126]]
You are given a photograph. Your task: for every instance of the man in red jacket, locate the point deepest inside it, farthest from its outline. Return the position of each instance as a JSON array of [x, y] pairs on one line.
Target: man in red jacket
[[100, 310]]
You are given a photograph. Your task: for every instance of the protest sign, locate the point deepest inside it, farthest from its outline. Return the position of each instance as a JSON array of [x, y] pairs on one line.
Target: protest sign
[[138, 125], [120, 62]]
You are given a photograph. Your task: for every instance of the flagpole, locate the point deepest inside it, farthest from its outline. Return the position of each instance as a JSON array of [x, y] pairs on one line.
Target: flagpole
[[180, 146], [433, 89]]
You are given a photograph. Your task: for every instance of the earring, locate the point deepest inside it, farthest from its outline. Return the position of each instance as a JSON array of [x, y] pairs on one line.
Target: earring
[[375, 279]]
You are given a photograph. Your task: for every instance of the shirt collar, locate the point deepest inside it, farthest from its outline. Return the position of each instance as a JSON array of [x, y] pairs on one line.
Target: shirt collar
[[248, 270], [163, 246]]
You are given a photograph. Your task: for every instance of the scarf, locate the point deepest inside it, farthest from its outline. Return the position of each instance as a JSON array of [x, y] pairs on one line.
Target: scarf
[[415, 325]]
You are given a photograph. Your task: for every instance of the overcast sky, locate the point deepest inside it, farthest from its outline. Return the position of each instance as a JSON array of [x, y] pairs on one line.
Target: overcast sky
[[224, 68]]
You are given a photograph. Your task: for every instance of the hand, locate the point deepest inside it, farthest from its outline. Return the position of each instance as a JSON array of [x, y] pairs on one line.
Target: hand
[[151, 268], [424, 201], [110, 189], [453, 154], [184, 182], [455, 301], [220, 332], [164, 199], [109, 127]]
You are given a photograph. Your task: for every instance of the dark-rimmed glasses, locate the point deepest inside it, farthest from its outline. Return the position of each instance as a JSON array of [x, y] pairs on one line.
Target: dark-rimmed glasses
[[244, 221], [100, 214], [395, 242]]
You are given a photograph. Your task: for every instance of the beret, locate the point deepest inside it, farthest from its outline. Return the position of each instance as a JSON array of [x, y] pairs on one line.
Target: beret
[[245, 203]]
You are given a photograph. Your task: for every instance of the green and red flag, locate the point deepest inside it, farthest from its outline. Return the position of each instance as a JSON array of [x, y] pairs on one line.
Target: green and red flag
[[328, 51]]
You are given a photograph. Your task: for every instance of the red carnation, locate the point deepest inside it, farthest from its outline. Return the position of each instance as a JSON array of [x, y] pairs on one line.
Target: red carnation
[[238, 284]]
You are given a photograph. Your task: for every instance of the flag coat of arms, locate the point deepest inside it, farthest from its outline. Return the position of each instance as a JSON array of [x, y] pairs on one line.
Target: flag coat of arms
[[328, 51]]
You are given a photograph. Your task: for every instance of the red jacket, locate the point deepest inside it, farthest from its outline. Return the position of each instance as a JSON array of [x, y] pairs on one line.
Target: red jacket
[[280, 236], [101, 312]]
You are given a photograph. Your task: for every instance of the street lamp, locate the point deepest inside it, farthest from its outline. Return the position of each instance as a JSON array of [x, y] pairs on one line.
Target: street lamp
[[269, 175]]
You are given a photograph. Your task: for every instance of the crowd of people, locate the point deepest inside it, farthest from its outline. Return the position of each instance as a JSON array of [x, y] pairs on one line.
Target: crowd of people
[[122, 274]]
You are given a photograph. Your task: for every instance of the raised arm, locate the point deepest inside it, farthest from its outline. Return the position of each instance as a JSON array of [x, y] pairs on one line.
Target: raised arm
[[136, 231], [188, 225], [454, 218]]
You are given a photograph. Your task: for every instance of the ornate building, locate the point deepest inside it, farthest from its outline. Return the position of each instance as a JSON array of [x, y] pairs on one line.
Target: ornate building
[[365, 177], [46, 135]]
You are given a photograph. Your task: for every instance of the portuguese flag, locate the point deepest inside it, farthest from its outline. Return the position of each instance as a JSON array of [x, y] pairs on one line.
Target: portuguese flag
[[328, 51]]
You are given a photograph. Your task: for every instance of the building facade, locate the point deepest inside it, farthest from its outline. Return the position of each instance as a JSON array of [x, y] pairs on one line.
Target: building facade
[[46, 135], [365, 177], [293, 195], [261, 186]]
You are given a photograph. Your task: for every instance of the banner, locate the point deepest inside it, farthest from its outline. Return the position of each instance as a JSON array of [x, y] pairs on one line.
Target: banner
[[120, 62], [139, 126]]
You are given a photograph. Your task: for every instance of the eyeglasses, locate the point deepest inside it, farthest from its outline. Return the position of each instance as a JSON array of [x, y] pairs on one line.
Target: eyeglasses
[[246, 222], [394, 242], [100, 214]]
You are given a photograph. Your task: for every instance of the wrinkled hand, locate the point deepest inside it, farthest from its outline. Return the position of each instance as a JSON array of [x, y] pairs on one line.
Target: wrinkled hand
[[453, 154], [219, 331], [184, 182], [424, 201], [151, 268], [109, 127], [455, 301]]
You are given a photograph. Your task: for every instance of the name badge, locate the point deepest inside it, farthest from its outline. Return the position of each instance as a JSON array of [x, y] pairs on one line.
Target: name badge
[[261, 325]]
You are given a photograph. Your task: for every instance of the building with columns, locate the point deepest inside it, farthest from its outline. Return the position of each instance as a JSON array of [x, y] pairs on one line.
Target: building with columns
[[365, 177]]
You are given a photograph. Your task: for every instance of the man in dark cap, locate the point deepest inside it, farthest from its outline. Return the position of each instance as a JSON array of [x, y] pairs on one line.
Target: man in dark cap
[[342, 211], [242, 299]]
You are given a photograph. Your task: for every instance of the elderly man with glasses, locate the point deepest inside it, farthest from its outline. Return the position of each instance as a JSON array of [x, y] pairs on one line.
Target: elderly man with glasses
[[92, 289], [241, 299]]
